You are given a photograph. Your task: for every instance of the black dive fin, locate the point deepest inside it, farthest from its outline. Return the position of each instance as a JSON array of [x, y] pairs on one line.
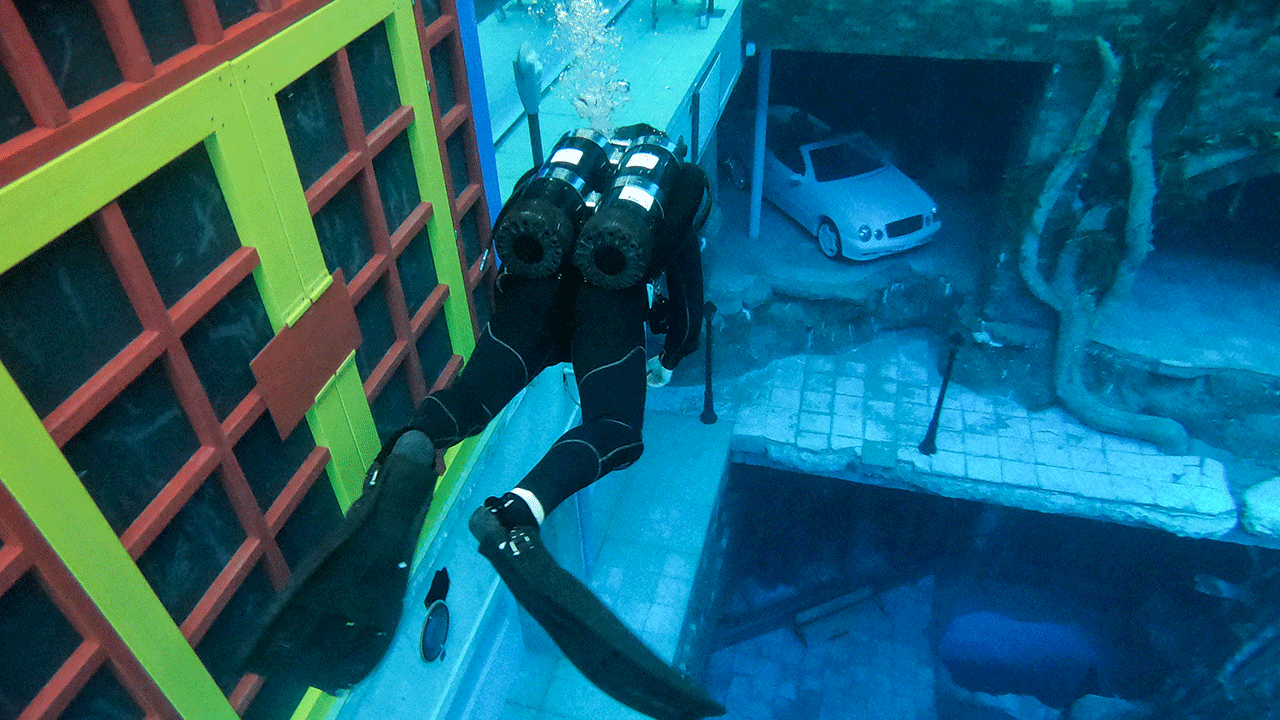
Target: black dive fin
[[335, 620], [588, 633]]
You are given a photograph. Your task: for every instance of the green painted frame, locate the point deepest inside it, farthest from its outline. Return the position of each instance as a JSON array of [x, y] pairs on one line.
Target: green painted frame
[[232, 110]]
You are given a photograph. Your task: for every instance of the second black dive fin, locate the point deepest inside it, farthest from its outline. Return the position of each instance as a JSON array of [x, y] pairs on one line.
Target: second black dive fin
[[335, 620], [590, 635]]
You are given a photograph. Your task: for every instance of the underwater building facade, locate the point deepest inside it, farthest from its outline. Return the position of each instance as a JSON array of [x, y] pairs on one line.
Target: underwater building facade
[[985, 423]]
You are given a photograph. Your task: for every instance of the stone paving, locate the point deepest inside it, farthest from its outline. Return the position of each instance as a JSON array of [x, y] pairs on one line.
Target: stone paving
[[825, 414], [861, 413]]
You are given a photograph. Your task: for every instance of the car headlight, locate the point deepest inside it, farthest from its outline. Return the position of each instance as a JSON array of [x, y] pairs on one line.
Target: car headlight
[[879, 234], [864, 233]]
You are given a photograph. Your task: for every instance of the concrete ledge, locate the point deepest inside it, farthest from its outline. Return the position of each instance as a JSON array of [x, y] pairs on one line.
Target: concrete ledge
[[845, 418]]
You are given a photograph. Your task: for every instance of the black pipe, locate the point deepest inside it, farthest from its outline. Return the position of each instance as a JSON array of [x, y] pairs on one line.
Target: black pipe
[[929, 445], [708, 403], [535, 138]]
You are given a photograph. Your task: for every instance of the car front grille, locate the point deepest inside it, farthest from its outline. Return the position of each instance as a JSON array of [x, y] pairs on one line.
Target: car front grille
[[905, 226]]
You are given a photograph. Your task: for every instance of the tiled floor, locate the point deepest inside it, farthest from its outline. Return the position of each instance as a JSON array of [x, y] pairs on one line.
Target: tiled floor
[[864, 410], [871, 408]]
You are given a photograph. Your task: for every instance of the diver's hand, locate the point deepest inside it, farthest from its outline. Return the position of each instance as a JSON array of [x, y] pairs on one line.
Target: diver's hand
[[655, 374]]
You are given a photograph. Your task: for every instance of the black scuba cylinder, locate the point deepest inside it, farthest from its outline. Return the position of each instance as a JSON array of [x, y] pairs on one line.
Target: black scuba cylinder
[[616, 246], [537, 226]]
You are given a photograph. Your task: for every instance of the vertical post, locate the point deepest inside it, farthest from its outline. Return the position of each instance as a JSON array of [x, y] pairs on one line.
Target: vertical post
[[528, 71], [929, 445], [695, 112], [535, 138], [757, 157], [708, 402]]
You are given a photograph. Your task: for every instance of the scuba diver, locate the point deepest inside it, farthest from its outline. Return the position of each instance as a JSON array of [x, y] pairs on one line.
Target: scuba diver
[[581, 238]]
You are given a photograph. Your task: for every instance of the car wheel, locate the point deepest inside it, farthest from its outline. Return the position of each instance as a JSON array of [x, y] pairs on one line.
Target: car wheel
[[829, 239]]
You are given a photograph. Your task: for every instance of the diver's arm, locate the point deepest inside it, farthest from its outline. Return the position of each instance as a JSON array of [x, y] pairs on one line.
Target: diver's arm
[[684, 286]]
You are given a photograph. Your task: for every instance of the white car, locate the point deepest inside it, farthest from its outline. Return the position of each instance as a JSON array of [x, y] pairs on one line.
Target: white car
[[842, 188]]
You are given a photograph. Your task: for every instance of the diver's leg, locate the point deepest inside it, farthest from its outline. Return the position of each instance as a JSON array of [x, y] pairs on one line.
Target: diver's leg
[[608, 357], [512, 349], [335, 620], [608, 362]]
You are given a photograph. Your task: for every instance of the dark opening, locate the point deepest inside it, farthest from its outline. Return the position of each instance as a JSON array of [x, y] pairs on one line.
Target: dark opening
[[1237, 222], [610, 260], [844, 593], [948, 124], [528, 248]]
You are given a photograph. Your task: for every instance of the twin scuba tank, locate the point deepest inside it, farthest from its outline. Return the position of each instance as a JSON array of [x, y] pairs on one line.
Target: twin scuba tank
[[595, 202]]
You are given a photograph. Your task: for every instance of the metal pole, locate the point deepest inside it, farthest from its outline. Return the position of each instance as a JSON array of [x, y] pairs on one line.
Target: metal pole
[[528, 71], [535, 138], [708, 402], [757, 164], [929, 445]]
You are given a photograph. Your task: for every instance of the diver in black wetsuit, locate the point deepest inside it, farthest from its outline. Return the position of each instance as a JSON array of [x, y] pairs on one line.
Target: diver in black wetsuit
[[584, 307], [580, 239]]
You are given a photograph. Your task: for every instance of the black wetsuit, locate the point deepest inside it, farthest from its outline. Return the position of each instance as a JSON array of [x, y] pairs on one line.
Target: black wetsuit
[[538, 322]]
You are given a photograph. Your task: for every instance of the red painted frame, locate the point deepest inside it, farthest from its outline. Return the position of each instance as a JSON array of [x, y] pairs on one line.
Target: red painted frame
[[160, 340], [58, 129], [459, 118]]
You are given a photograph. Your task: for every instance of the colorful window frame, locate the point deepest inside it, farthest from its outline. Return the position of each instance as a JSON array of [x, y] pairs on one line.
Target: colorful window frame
[[51, 528]]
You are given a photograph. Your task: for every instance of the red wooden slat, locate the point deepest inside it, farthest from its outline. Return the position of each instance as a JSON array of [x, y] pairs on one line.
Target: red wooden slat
[[205, 23], [334, 179], [475, 273], [375, 218], [400, 322], [245, 692], [451, 121], [467, 198], [299, 485], [344, 88], [13, 563], [367, 278], [236, 485], [21, 58], [386, 367], [56, 695], [438, 30], [126, 40], [130, 267], [75, 412], [430, 307], [215, 599], [26, 152], [212, 289], [243, 416], [397, 122], [451, 370], [152, 520], [72, 601], [410, 228]]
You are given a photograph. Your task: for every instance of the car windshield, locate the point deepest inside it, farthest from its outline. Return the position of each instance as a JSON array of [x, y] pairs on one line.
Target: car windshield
[[842, 160]]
